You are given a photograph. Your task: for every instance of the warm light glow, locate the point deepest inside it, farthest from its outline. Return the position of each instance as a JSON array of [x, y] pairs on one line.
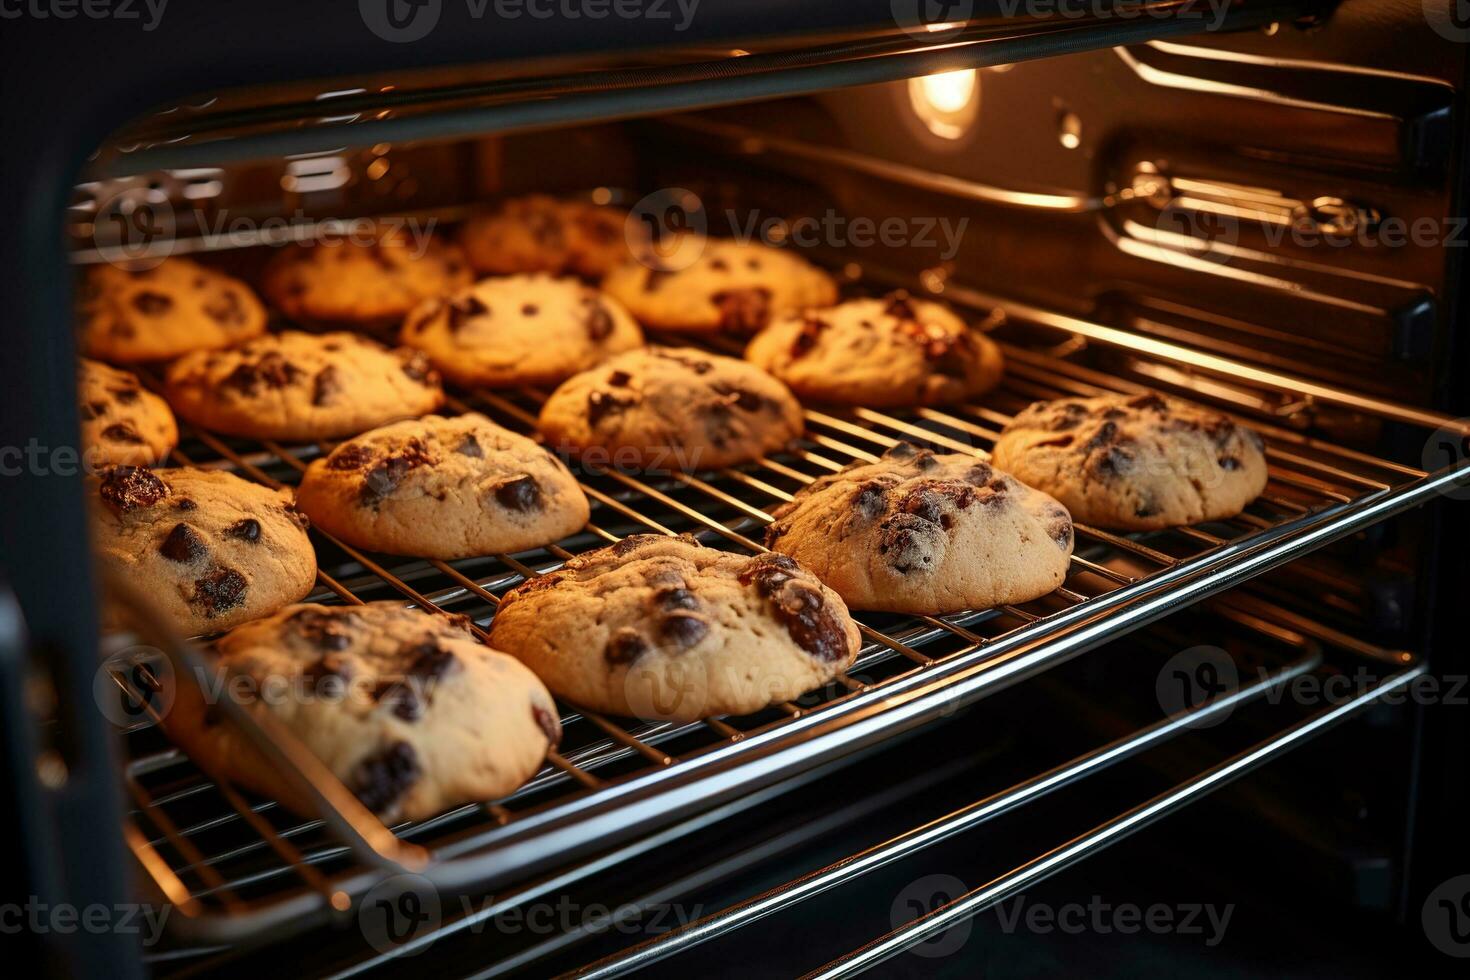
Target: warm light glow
[[947, 102]]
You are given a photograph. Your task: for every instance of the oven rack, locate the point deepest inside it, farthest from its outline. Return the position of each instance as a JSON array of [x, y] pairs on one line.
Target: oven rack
[[238, 869]]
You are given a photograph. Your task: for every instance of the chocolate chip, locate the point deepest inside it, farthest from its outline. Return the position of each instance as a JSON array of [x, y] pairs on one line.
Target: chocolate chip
[[381, 779], [124, 395], [1104, 435], [271, 370], [219, 590], [327, 384], [800, 607], [1068, 416], [1146, 508], [385, 477], [683, 629], [183, 544], [470, 446], [697, 365], [416, 368], [807, 337], [601, 404], [130, 487], [1115, 462], [225, 309], [719, 265], [619, 379], [676, 598], [184, 503], [350, 457], [522, 494], [599, 323], [322, 629], [152, 304], [923, 503], [1059, 527], [625, 646], [870, 500], [463, 308], [743, 310], [247, 529], [906, 540], [980, 474], [739, 397], [530, 309], [548, 723], [122, 432]]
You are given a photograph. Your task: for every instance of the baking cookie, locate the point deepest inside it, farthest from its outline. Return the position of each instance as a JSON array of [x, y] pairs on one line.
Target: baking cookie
[[443, 488], [403, 706], [302, 387], [732, 287], [537, 233], [1135, 462], [659, 627], [890, 352], [920, 533], [121, 422], [159, 313], [671, 408], [512, 330], [211, 549], [346, 283]]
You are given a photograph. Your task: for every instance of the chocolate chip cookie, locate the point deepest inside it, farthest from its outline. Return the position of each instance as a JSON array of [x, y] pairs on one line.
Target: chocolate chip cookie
[[212, 550], [403, 706], [663, 408], [732, 287], [539, 233], [121, 422], [160, 313], [369, 283], [922, 533], [443, 488], [302, 387], [889, 352], [1135, 462], [513, 330], [659, 627]]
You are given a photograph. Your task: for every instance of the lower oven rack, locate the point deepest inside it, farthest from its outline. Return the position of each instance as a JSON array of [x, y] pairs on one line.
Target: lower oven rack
[[239, 870]]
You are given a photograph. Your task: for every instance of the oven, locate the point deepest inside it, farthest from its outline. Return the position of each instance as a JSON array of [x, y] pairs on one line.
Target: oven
[[1233, 745]]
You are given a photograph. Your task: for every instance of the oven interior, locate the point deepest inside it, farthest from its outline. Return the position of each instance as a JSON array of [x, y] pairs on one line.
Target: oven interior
[[1132, 219]]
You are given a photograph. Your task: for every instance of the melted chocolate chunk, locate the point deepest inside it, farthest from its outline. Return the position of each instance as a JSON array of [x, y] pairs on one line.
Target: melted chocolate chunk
[[184, 503], [601, 404], [416, 368], [522, 494], [1069, 417], [904, 540], [599, 323], [683, 629], [980, 474], [799, 607], [385, 477], [124, 395], [381, 779], [676, 598], [625, 646], [219, 590], [183, 544], [464, 307], [1115, 462], [351, 457], [871, 499], [130, 487], [1104, 436], [619, 379], [152, 304], [470, 446], [812, 328], [272, 370], [1059, 527], [739, 397], [924, 503], [327, 385], [247, 529], [743, 310], [548, 723], [122, 432], [697, 365], [322, 630], [225, 309]]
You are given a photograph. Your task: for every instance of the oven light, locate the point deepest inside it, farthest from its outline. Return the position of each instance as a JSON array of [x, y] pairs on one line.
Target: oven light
[[948, 102]]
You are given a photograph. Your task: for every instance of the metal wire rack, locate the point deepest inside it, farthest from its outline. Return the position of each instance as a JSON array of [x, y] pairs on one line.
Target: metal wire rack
[[237, 867]]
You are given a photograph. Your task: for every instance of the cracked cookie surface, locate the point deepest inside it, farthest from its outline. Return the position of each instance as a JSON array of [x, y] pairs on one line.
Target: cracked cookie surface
[[1135, 462], [404, 706], [732, 287], [161, 313], [922, 533], [210, 549], [443, 488], [888, 352], [121, 421], [515, 330], [539, 233], [660, 627], [302, 387], [671, 408]]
